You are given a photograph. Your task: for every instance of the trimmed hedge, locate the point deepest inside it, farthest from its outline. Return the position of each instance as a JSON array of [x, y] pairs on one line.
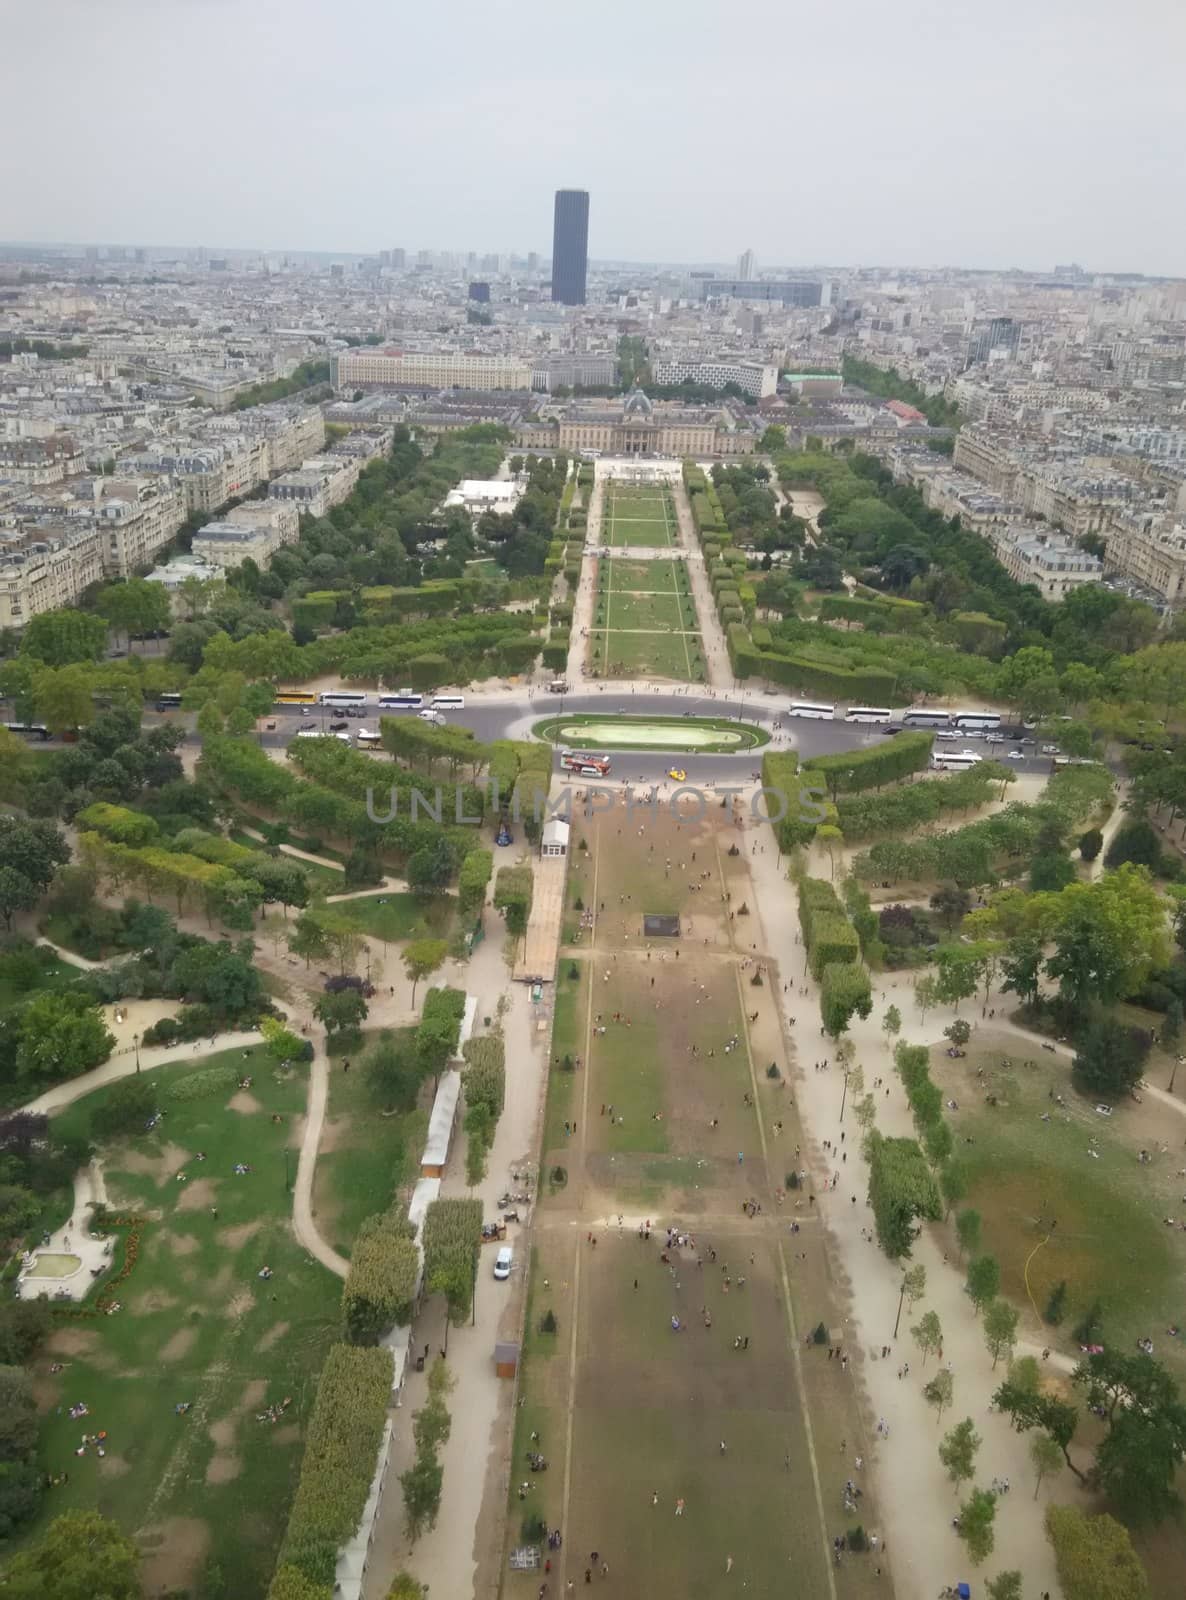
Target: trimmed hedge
[[380, 1288], [845, 989], [484, 1075], [476, 871], [885, 762], [341, 1452]]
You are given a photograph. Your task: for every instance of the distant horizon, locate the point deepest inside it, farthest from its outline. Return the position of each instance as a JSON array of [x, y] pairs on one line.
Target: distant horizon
[[724, 265]]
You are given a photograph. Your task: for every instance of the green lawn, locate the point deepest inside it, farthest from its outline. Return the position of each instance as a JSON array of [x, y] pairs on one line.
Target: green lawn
[[568, 1039], [54, 974], [197, 1325], [393, 917], [645, 621], [1110, 1242], [365, 1155]]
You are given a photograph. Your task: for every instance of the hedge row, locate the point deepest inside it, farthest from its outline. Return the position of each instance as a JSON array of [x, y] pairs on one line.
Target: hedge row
[[477, 868], [341, 1451], [925, 1100], [902, 810], [380, 1288], [849, 771], [828, 936], [484, 1075]]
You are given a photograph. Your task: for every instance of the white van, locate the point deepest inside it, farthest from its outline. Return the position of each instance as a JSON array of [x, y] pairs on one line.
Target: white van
[[502, 1262], [435, 717]]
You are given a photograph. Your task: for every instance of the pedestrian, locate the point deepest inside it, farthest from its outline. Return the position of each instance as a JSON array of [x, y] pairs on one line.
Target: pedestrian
[[728, 1563], [588, 1576], [679, 1508], [722, 1447]]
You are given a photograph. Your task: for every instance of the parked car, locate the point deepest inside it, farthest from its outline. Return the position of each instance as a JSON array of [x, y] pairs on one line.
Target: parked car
[[1051, 750], [336, 727], [1104, 1111], [307, 727], [1016, 755], [502, 1262]]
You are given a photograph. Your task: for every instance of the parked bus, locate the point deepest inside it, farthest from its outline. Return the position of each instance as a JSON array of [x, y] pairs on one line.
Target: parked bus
[[295, 697], [868, 714], [954, 761], [448, 702], [168, 702], [805, 708], [923, 717], [342, 697], [976, 721], [28, 730], [405, 700], [588, 766]]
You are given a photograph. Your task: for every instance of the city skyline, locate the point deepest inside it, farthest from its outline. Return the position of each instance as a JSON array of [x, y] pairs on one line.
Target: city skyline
[[1013, 171]]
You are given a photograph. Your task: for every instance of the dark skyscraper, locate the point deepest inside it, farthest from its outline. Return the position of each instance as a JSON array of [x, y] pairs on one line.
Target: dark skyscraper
[[570, 246]]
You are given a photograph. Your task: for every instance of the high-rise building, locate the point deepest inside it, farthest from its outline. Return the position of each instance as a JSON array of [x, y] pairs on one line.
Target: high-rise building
[[479, 290], [570, 246], [745, 266], [399, 259]]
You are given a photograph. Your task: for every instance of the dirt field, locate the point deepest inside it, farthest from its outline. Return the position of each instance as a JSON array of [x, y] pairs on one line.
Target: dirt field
[[671, 1118]]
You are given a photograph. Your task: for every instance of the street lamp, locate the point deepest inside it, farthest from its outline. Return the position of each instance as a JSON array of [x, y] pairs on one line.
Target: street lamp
[[136, 1047]]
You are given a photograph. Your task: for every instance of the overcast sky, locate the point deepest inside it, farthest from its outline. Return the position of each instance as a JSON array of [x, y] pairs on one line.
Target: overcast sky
[[965, 132]]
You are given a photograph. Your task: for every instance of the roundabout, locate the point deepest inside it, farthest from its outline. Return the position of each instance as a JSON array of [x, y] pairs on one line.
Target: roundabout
[[705, 735]]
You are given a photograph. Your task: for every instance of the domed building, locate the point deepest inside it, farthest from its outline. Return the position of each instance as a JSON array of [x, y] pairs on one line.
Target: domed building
[[636, 425]]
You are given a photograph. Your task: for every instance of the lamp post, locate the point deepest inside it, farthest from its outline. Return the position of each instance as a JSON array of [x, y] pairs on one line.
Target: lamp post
[[844, 1093], [136, 1048]]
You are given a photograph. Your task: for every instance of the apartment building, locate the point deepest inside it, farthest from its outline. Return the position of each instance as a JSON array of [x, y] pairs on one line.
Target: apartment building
[[1149, 549], [378, 368], [575, 372], [255, 531], [46, 567], [318, 485], [1051, 563], [37, 462], [137, 517], [753, 378]]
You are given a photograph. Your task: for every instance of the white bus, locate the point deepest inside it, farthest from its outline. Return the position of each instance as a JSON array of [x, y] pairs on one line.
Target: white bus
[[868, 714], [316, 733], [953, 760], [447, 702], [804, 708], [405, 700], [923, 717], [342, 697], [976, 721]]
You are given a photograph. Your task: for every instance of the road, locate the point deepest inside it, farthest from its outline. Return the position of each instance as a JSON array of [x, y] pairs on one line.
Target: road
[[510, 714]]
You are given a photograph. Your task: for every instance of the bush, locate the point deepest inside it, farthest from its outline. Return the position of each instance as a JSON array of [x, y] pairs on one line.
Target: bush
[[380, 1288], [206, 1081]]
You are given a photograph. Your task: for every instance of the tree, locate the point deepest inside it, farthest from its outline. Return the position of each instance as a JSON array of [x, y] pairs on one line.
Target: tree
[[976, 1518], [341, 1011], [1136, 1463], [1046, 1458], [1109, 1060], [967, 1230], [891, 1024], [925, 993], [309, 939], [429, 869], [405, 1587], [958, 975], [1171, 1027], [959, 1032], [1000, 1328], [1051, 871], [983, 1281], [135, 606], [59, 638], [911, 1290], [80, 1556], [63, 698], [31, 851], [952, 904], [1005, 1586], [938, 1392], [902, 1189], [421, 958], [421, 1484], [957, 1451], [393, 1074], [1094, 1556], [953, 1183], [1107, 936], [774, 439], [927, 1334], [61, 1036], [1028, 1407], [1021, 966], [125, 1109]]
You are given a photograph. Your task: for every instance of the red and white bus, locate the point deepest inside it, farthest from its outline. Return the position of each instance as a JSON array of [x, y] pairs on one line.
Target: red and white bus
[[587, 765]]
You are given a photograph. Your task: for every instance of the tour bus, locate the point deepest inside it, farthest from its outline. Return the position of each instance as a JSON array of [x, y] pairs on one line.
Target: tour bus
[[447, 702], [342, 697], [295, 697], [368, 738], [588, 766], [805, 708], [868, 714], [28, 730], [976, 721], [168, 702], [953, 760], [405, 700], [924, 717]]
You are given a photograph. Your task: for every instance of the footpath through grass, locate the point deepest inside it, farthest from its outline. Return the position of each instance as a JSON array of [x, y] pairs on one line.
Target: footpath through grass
[[207, 1489]]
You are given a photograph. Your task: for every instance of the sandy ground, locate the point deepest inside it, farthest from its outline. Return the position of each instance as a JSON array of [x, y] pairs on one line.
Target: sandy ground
[[716, 656], [916, 1497]]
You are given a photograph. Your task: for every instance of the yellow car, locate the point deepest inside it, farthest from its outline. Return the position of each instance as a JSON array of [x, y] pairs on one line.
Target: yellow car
[[677, 774]]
